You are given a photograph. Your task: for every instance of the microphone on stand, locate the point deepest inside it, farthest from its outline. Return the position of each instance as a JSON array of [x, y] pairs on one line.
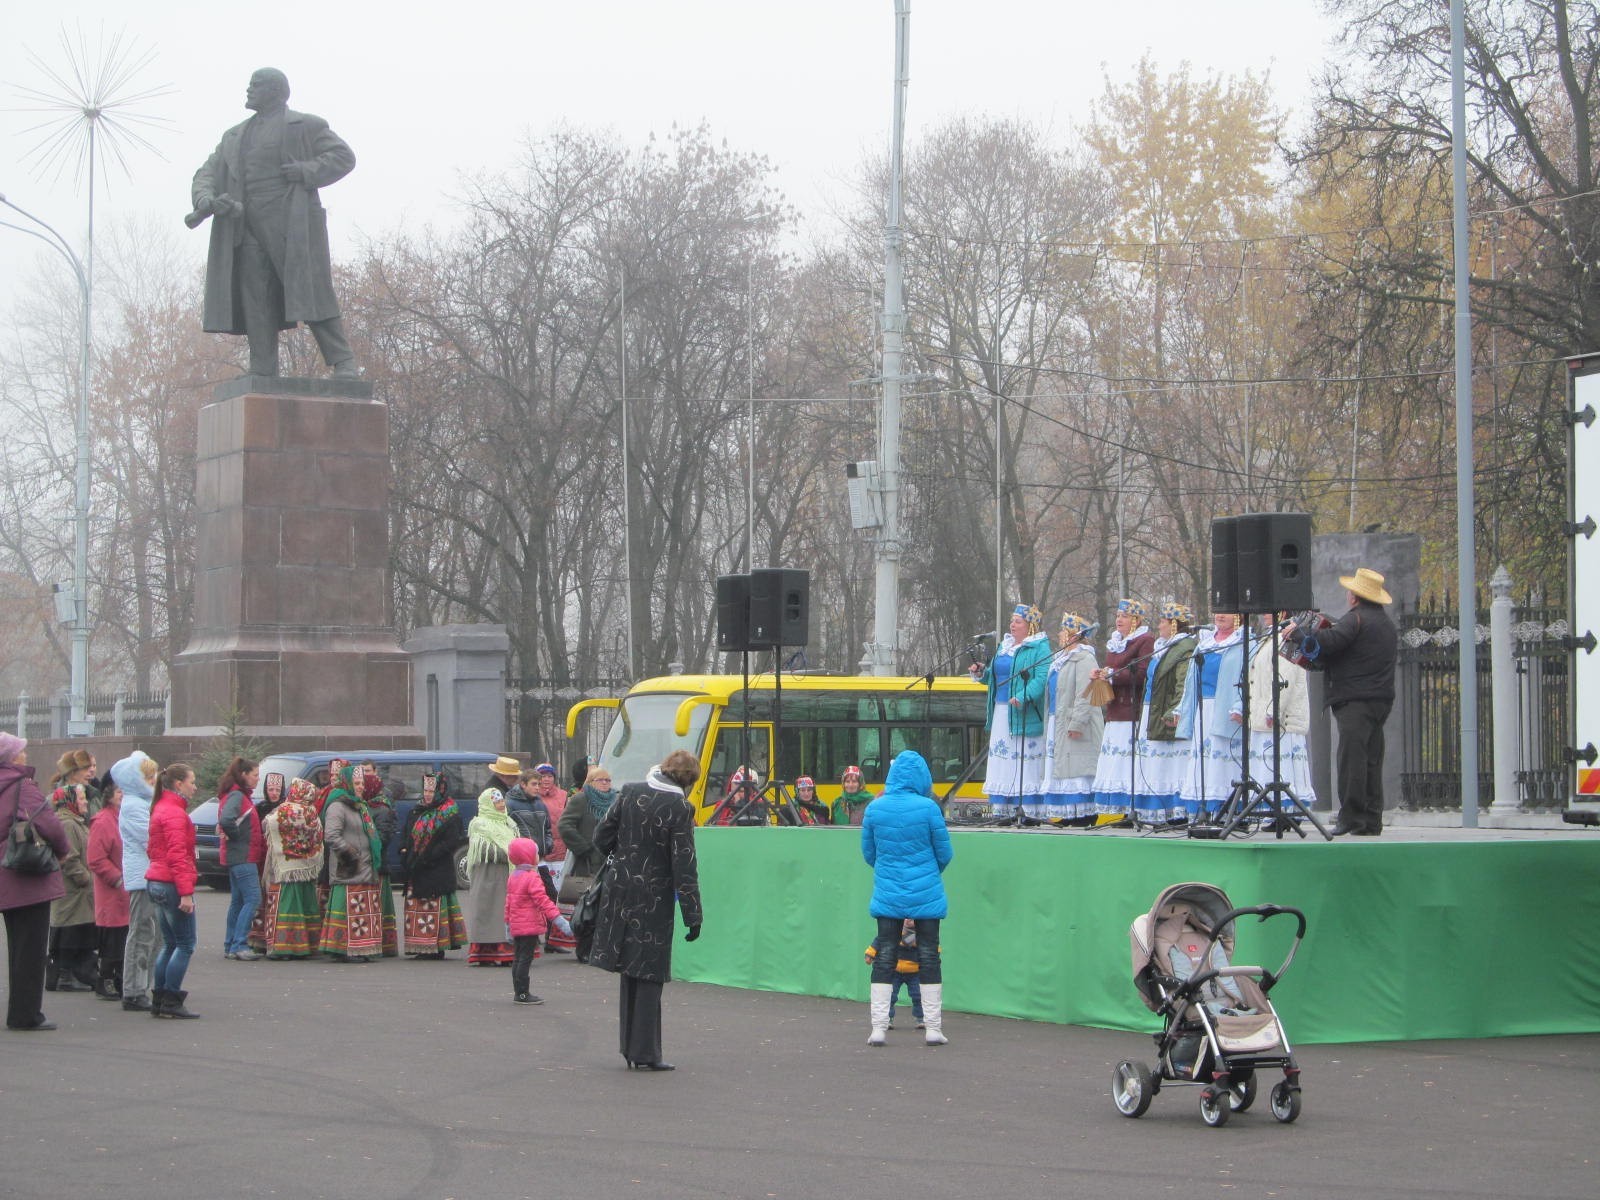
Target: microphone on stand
[[987, 633]]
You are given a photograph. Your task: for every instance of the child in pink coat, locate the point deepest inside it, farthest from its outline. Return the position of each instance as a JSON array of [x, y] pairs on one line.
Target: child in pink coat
[[529, 912]]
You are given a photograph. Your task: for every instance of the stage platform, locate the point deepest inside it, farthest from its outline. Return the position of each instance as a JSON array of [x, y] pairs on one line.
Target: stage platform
[[1422, 933]]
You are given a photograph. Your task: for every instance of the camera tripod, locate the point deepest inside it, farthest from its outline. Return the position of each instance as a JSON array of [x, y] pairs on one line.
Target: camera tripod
[[1273, 805]]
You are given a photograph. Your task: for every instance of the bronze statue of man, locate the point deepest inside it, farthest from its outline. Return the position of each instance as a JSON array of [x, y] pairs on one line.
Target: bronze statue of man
[[269, 267]]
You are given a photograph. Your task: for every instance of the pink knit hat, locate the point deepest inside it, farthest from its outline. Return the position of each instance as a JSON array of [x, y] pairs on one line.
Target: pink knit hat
[[10, 745]]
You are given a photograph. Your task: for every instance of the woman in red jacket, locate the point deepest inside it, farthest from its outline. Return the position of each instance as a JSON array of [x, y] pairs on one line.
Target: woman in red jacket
[[170, 882]]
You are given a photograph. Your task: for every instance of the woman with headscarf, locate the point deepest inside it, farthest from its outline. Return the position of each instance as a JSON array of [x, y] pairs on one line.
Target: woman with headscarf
[[1127, 661], [1018, 682], [1072, 747], [73, 940], [489, 867], [850, 806], [292, 925], [110, 898], [352, 931], [1161, 753], [1212, 710], [811, 809], [25, 897], [272, 795], [387, 823], [433, 837], [650, 833]]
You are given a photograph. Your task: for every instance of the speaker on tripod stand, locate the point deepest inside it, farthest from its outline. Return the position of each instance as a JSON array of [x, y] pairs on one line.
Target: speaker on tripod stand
[[1260, 563]]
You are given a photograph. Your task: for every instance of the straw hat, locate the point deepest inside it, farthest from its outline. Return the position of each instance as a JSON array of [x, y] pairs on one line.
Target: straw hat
[[1367, 584], [506, 767]]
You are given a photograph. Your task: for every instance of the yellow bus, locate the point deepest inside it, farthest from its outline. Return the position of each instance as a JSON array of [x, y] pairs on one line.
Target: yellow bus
[[828, 722]]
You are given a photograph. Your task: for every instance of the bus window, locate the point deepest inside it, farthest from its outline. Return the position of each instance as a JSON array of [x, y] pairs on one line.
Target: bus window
[[944, 746], [824, 751], [726, 755], [641, 736]]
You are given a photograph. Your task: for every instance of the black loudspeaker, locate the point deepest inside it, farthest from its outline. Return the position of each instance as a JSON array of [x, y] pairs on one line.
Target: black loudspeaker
[[1225, 564], [733, 612], [1274, 563], [780, 607]]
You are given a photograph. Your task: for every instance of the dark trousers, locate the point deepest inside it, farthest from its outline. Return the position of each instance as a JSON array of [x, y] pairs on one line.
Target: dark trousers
[[1360, 763], [113, 942], [525, 945], [639, 1020], [27, 937], [887, 945]]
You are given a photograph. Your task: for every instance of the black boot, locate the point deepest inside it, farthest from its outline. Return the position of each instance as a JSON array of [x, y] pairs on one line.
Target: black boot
[[52, 974], [158, 1002], [175, 1008]]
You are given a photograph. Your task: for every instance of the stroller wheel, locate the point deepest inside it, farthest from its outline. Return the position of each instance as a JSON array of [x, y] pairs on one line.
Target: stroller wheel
[[1285, 1102], [1242, 1090], [1132, 1086], [1216, 1106]]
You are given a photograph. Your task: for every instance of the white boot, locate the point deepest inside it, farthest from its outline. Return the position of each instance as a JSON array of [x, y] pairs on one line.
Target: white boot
[[933, 1013], [882, 995]]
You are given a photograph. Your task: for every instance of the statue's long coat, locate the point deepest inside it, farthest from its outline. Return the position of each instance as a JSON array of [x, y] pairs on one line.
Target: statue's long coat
[[307, 275]]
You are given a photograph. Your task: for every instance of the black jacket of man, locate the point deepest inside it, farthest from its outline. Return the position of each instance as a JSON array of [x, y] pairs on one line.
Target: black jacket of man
[[1358, 654]]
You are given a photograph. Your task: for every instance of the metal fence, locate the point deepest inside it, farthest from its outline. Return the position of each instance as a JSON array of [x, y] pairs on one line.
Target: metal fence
[[536, 718], [122, 714], [1429, 697]]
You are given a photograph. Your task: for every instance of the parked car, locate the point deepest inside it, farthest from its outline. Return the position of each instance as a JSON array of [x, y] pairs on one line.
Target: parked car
[[466, 771]]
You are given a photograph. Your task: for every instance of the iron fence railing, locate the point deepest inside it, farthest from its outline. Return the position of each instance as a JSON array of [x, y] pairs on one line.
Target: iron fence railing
[[536, 718], [1429, 697], [129, 714]]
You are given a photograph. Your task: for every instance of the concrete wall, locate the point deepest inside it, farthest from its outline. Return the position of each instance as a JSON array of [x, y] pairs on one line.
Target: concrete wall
[[458, 678], [1398, 557]]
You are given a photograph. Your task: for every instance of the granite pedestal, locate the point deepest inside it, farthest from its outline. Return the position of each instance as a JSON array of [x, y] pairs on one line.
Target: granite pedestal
[[292, 611]]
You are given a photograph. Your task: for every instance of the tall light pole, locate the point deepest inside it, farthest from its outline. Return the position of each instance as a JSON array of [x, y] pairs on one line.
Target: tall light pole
[[886, 611], [78, 723]]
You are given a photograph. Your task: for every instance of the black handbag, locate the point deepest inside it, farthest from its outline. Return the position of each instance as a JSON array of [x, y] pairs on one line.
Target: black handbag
[[586, 912], [26, 852]]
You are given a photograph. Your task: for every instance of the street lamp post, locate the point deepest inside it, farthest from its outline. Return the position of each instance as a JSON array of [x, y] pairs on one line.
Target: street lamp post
[[78, 723]]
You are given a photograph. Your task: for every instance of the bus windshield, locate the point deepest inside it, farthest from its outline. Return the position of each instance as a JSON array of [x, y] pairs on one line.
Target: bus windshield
[[642, 734]]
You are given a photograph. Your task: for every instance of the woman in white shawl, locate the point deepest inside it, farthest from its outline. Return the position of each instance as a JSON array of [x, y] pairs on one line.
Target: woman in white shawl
[[489, 867], [1072, 742], [1291, 726], [1212, 715]]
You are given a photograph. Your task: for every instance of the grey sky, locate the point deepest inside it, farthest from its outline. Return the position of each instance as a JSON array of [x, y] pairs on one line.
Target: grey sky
[[427, 92]]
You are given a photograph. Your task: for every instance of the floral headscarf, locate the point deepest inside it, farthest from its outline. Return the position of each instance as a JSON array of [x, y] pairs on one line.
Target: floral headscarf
[[297, 821], [435, 811]]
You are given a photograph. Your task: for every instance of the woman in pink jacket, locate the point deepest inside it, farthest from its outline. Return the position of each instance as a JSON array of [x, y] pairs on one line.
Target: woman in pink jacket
[[170, 881], [529, 912], [110, 900]]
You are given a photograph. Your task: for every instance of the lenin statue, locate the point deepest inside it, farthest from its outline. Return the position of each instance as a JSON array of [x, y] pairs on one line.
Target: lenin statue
[[268, 267]]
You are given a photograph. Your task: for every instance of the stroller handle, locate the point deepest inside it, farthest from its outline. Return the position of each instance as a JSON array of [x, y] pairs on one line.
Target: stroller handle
[[1262, 912]]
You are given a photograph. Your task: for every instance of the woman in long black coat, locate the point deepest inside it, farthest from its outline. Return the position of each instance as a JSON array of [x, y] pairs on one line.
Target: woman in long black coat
[[649, 832]]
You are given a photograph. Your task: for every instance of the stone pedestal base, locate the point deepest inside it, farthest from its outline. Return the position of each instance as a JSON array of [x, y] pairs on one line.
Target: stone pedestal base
[[292, 621]]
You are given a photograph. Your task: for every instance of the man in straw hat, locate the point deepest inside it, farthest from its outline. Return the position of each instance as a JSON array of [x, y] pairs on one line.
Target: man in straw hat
[[1358, 653]]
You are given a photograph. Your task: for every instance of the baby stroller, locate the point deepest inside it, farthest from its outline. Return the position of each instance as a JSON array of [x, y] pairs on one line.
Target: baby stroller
[[1218, 1027]]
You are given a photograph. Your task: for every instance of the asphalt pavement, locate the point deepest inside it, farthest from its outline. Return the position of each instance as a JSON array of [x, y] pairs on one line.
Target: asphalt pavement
[[422, 1079]]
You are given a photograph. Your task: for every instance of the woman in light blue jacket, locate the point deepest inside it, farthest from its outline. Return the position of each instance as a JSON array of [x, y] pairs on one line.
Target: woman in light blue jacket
[[136, 775], [1210, 716], [905, 842]]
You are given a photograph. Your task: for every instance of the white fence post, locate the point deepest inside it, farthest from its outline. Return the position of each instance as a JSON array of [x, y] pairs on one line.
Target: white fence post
[[1507, 750]]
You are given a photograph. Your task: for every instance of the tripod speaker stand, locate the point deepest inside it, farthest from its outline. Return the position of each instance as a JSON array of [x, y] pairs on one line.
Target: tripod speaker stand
[[1260, 563], [1252, 805]]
